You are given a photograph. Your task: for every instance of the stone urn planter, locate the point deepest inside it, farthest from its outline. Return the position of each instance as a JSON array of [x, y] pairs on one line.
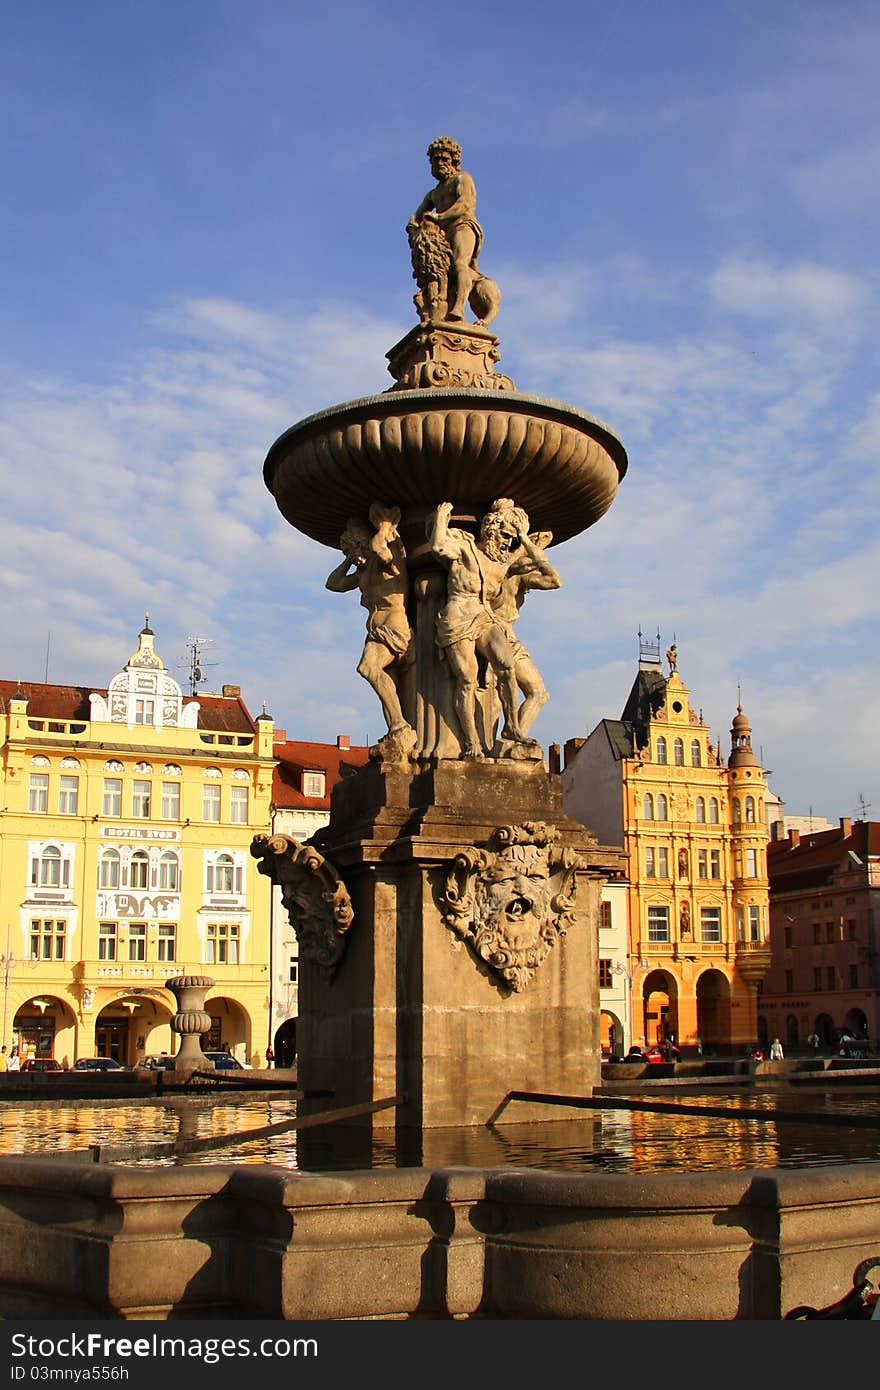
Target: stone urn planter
[[190, 1021]]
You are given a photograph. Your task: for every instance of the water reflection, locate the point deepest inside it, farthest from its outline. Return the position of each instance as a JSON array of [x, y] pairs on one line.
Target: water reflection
[[608, 1139]]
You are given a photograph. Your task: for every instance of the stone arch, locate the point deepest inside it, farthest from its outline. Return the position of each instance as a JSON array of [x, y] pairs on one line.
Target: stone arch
[[231, 1026], [824, 1029], [713, 1010], [284, 1044], [44, 1025], [659, 1006], [857, 1023], [792, 1031], [612, 1037], [131, 1025]]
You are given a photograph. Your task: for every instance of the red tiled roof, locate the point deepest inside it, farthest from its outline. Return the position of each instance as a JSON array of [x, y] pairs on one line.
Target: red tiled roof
[[812, 862], [218, 713], [295, 758]]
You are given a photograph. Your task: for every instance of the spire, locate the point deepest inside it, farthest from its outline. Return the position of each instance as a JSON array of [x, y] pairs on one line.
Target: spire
[[741, 754]]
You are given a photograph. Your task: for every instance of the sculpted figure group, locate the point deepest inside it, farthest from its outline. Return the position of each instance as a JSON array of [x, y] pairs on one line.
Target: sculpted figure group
[[488, 578]]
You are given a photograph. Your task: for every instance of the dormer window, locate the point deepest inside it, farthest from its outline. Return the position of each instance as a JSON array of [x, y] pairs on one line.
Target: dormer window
[[314, 784], [144, 711]]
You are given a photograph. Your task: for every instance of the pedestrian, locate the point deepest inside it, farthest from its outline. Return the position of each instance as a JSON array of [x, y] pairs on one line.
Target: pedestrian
[[813, 1041], [270, 1056], [4, 1060], [776, 1053], [14, 1063]]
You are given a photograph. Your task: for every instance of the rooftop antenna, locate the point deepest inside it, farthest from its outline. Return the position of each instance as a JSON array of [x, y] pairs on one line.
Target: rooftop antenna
[[48, 644], [196, 663], [863, 806]]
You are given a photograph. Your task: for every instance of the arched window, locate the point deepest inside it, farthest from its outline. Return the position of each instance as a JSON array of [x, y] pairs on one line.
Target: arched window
[[736, 809], [223, 874], [750, 810], [139, 870], [169, 872], [696, 755], [661, 807], [713, 811], [50, 869], [648, 807], [661, 749], [700, 810], [108, 872], [678, 752]]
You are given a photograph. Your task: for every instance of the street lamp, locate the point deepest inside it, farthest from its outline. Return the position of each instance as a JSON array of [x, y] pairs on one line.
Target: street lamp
[[629, 974], [8, 961]]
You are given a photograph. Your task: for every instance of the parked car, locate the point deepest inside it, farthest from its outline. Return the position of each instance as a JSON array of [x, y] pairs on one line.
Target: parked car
[[98, 1064], [224, 1061], [855, 1047], [662, 1052], [41, 1064], [157, 1062]]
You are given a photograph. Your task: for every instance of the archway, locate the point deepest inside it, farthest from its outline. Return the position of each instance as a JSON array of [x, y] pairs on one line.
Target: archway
[[612, 1038], [134, 1025], [285, 1044], [856, 1022], [713, 1011], [660, 1004], [824, 1029], [44, 1026], [230, 1030], [792, 1031], [763, 1031]]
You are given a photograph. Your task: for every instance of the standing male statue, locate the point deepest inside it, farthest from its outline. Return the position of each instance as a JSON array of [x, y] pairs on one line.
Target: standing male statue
[[445, 266], [376, 564], [469, 627], [530, 570]]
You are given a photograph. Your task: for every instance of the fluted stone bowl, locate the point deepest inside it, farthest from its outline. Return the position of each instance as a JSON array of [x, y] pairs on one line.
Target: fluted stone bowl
[[415, 449]]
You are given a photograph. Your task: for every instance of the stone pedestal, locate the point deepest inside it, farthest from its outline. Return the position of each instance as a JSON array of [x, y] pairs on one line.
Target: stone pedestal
[[447, 354], [189, 1022], [466, 966]]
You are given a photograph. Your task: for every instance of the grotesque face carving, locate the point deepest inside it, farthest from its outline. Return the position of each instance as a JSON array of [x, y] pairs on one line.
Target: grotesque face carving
[[511, 906]]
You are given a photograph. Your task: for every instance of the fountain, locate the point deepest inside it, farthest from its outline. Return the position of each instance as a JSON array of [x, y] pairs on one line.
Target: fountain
[[447, 926]]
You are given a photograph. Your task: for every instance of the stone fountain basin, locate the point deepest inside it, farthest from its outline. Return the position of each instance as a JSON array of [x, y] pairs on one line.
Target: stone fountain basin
[[415, 449]]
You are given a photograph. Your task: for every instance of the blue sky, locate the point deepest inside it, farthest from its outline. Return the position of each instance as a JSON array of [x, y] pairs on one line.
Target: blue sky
[[202, 237]]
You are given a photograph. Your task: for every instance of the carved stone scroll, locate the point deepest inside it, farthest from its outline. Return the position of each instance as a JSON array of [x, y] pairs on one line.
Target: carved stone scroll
[[317, 901], [512, 900]]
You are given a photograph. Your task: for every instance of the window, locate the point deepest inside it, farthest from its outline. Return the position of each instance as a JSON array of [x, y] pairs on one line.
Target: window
[[829, 931], [663, 862], [789, 981], [224, 875], [238, 805], [314, 784], [696, 754], [604, 974], [713, 811], [754, 924], [108, 869], [658, 923], [710, 923], [604, 914], [171, 801], [47, 940], [167, 940], [50, 870], [787, 936], [210, 803], [139, 870], [851, 929], [661, 749], [830, 977], [169, 872], [750, 810], [38, 792], [140, 799], [144, 712], [678, 752], [648, 807], [817, 977], [137, 941], [221, 944], [735, 809], [715, 863], [751, 863], [293, 970], [661, 807], [106, 941], [854, 977], [112, 801], [700, 811], [650, 862], [68, 796], [817, 933], [702, 863]]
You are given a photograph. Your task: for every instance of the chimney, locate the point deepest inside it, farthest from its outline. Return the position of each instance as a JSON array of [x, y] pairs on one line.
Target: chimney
[[279, 736], [343, 741], [845, 827], [795, 837], [554, 761], [232, 692], [571, 747]]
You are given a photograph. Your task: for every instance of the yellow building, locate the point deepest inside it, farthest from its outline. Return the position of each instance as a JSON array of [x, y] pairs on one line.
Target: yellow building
[[124, 860], [695, 834]]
